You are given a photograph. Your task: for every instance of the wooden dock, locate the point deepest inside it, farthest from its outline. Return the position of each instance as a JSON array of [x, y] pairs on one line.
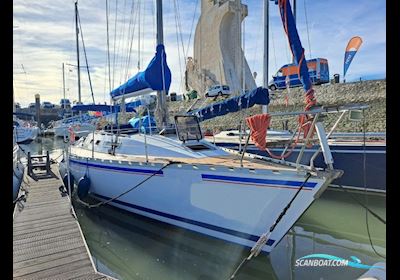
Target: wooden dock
[[47, 240]]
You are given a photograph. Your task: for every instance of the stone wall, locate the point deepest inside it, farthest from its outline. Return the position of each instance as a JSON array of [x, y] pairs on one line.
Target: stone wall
[[372, 93]]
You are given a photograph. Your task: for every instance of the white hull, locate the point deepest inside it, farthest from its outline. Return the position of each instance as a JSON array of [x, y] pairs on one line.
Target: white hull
[[80, 129], [26, 134], [18, 172], [234, 204]]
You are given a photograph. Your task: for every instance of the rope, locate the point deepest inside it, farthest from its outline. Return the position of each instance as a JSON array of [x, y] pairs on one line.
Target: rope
[[125, 192], [22, 197], [365, 190], [55, 160], [363, 206], [255, 251], [304, 121]]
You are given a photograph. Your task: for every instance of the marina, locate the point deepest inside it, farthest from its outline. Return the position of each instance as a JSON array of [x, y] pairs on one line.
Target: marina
[[126, 246]]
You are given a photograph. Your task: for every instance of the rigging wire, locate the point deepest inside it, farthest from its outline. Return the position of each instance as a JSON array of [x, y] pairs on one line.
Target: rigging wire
[[308, 33], [86, 60], [139, 26], [108, 58], [132, 30], [177, 42], [286, 52], [108, 49], [365, 186], [124, 48], [180, 26], [121, 38], [143, 24], [105, 82], [153, 23], [115, 39], [367, 209], [258, 36], [273, 48], [191, 28]]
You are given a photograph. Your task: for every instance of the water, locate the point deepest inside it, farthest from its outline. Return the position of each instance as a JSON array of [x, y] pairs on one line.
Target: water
[[42, 144], [129, 246]]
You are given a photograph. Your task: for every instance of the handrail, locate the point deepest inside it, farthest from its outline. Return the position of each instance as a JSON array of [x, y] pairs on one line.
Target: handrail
[[322, 110], [310, 132]]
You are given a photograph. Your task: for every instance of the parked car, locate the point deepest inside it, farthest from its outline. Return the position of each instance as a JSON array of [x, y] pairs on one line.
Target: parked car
[[318, 70], [218, 90], [47, 105], [32, 106]]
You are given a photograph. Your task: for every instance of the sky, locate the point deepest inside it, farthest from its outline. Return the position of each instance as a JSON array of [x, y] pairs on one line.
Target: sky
[[44, 39]]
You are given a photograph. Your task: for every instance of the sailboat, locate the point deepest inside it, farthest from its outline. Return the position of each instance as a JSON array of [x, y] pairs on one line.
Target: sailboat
[[81, 125], [25, 132], [186, 181]]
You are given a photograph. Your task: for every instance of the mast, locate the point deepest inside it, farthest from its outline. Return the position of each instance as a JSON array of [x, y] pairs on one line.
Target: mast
[[265, 56], [63, 102], [161, 109], [63, 84], [77, 52]]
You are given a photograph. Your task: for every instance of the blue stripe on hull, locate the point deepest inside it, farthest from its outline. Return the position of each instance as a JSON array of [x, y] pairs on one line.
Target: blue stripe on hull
[[188, 221], [228, 179], [134, 170]]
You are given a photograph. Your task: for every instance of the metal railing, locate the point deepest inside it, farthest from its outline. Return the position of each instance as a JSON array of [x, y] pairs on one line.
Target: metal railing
[[319, 128]]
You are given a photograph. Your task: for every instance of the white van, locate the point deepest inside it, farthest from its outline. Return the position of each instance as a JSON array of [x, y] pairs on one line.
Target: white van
[[218, 90]]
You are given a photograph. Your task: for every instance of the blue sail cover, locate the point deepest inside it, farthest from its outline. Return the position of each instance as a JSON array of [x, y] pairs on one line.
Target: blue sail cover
[[157, 76], [258, 96], [107, 108], [294, 42]]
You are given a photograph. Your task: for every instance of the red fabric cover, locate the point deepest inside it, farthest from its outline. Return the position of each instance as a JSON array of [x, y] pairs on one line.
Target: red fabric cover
[[258, 129]]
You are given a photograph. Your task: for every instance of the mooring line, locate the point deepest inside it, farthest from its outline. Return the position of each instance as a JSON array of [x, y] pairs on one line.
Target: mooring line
[[255, 251]]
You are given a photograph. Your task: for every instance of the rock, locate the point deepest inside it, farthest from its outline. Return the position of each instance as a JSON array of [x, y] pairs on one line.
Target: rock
[[372, 93]]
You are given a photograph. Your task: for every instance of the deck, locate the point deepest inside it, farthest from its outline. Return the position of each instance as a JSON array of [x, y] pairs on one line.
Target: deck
[[47, 240]]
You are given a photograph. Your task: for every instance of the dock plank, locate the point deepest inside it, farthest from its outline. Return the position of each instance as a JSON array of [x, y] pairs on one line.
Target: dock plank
[[47, 240]]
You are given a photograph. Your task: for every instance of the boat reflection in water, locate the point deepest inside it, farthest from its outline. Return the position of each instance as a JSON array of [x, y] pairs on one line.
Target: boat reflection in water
[[129, 246]]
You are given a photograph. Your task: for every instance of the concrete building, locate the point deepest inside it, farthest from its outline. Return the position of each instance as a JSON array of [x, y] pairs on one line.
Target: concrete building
[[218, 55]]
